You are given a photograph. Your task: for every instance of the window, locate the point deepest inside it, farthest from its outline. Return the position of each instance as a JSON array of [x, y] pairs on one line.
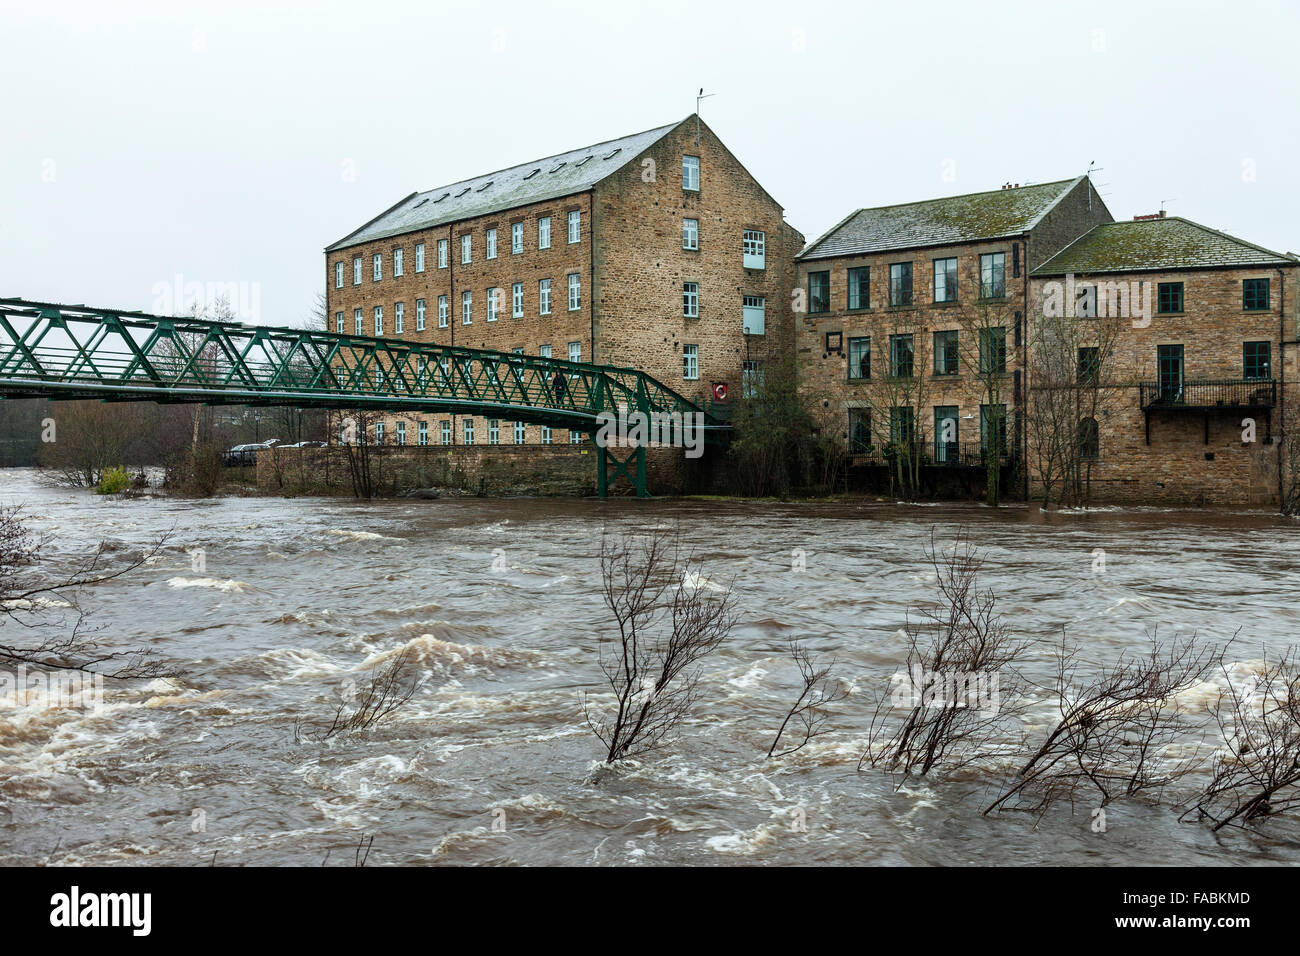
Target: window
[[754, 313], [422, 435], [544, 297], [519, 433], [860, 357], [945, 353], [1169, 297], [468, 430], [491, 243], [379, 320], [860, 288], [516, 238], [544, 351], [575, 292], [753, 243], [1169, 371], [397, 263], [945, 280], [993, 275], [819, 291], [419, 257], [442, 253], [338, 275], [467, 308], [546, 434], [466, 249], [859, 431], [358, 323], [339, 325], [378, 272], [517, 300], [690, 362], [544, 232], [946, 447], [575, 226], [445, 430], [1255, 359], [993, 429], [900, 283], [1089, 440], [419, 315], [690, 234], [993, 350], [494, 431], [751, 378], [399, 318], [401, 433], [1089, 365], [443, 309], [379, 433], [1254, 295], [691, 300], [356, 271], [901, 353], [691, 173], [493, 303], [902, 425]]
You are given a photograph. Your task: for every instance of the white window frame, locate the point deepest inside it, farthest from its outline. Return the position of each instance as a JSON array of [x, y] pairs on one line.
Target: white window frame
[[358, 322], [543, 232], [544, 297], [378, 272], [419, 257], [575, 351], [444, 312], [546, 434], [379, 321], [516, 238], [467, 430], [517, 300], [519, 433], [753, 247], [575, 226], [399, 318], [338, 274], [401, 433], [419, 315], [690, 363], [422, 433], [379, 433], [467, 308], [494, 431], [491, 243], [443, 253], [690, 300], [691, 174], [466, 249], [575, 292], [444, 431], [356, 270], [691, 234], [494, 296], [544, 351], [340, 324], [397, 263], [753, 302]]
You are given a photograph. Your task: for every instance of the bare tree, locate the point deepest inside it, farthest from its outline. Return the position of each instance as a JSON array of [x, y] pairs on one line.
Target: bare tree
[[808, 712], [1110, 730], [669, 617], [386, 690], [1256, 771], [43, 623], [959, 651]]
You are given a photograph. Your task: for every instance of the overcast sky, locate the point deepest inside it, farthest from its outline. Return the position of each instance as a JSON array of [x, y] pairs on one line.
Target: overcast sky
[[230, 142]]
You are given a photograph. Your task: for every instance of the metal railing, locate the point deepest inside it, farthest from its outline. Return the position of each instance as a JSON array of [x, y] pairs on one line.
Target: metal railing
[[953, 454], [1209, 393]]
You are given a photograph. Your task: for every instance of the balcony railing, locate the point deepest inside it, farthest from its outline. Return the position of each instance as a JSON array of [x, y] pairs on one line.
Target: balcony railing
[[1203, 394], [969, 454]]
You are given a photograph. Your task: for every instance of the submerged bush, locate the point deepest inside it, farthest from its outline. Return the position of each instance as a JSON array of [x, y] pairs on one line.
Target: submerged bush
[[113, 481]]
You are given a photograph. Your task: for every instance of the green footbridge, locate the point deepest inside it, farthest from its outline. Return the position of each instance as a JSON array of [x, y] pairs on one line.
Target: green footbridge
[[54, 351]]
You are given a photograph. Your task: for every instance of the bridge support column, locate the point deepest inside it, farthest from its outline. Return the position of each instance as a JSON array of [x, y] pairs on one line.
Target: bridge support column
[[632, 468]]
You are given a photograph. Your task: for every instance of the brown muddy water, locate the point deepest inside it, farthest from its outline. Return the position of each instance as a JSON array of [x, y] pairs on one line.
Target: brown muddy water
[[300, 598]]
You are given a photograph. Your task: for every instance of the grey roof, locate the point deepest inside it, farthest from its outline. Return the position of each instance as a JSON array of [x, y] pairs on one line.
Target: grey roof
[[937, 222], [536, 181], [1150, 245]]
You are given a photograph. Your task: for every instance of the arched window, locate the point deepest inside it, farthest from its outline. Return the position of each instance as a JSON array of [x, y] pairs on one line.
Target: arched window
[[1089, 442]]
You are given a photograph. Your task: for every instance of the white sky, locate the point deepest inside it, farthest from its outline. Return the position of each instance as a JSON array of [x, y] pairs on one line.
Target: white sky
[[210, 141]]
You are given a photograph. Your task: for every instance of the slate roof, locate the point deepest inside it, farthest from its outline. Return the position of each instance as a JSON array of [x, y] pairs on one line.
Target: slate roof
[[549, 178], [1150, 245], [936, 222]]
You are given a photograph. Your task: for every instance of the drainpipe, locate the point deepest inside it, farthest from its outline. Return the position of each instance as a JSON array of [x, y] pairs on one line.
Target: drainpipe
[[591, 267], [451, 304], [1023, 437], [1281, 384]]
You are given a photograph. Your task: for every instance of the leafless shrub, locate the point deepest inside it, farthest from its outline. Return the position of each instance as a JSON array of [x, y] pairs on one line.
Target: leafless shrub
[[1110, 730], [1256, 774], [669, 617], [386, 690], [959, 652], [808, 712], [43, 623]]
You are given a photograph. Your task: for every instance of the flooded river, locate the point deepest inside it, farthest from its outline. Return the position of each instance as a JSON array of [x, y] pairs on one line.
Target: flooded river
[[491, 762]]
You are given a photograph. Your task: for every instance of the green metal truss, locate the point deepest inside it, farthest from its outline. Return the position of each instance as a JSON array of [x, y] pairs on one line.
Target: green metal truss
[[57, 351]]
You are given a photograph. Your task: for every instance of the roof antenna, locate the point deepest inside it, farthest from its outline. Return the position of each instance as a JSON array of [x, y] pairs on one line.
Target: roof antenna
[[702, 96], [1092, 168], [1162, 205]]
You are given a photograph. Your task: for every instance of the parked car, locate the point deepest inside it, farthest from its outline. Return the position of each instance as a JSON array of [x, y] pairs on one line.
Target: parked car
[[306, 444], [242, 454]]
